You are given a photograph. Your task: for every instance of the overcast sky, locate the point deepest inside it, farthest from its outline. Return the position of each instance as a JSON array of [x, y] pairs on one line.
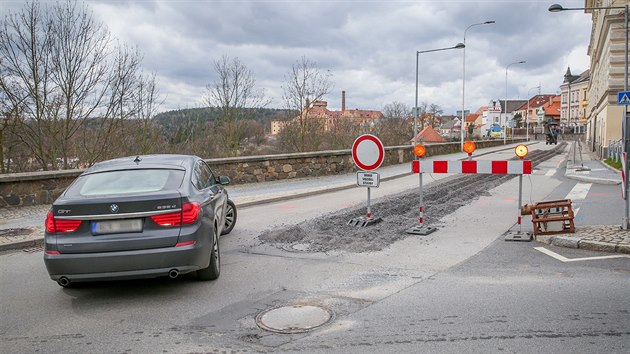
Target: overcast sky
[[368, 46]]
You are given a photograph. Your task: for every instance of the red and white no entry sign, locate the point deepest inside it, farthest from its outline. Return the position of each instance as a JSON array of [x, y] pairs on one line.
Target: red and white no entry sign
[[368, 152]]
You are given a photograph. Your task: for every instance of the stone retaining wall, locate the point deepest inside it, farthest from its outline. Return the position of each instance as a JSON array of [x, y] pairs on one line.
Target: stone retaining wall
[[23, 189]]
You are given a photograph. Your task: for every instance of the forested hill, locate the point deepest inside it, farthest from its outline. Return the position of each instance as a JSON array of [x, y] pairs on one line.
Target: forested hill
[[177, 117]]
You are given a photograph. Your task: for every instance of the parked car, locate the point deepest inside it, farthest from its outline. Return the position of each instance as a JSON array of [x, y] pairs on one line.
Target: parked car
[[139, 217]]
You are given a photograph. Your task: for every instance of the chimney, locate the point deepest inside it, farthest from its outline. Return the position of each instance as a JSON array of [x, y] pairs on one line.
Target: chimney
[[343, 101]]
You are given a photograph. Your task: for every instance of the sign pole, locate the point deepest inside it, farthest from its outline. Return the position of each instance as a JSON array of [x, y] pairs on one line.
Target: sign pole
[[520, 200], [421, 208], [369, 212]]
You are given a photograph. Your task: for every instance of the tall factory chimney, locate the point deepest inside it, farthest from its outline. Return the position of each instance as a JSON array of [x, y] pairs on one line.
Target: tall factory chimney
[[343, 101]]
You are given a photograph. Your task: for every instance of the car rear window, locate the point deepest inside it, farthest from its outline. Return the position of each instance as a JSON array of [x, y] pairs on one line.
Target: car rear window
[[126, 182]]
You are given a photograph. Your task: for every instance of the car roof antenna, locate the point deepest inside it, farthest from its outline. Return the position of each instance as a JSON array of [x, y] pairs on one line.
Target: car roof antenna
[[137, 160]]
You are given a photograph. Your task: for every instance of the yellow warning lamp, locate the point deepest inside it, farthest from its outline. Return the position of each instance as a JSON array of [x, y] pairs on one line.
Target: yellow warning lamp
[[419, 150], [521, 151], [469, 147]]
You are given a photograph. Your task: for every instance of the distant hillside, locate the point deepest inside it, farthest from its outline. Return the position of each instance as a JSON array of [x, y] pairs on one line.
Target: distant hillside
[[177, 117]]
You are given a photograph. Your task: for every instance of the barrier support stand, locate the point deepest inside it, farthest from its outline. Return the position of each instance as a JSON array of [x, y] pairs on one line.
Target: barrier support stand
[[519, 235], [368, 219]]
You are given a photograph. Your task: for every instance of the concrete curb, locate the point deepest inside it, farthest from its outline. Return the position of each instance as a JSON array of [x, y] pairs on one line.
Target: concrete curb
[[577, 242], [34, 242], [591, 179]]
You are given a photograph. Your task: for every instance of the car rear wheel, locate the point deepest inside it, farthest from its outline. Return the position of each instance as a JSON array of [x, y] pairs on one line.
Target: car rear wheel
[[230, 217], [213, 270]]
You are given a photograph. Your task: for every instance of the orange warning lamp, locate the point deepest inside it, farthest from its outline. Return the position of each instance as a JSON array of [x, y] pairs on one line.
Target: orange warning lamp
[[469, 147], [419, 150], [521, 151]]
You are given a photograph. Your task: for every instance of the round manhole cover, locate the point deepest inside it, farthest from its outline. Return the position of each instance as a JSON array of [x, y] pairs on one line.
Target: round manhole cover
[[293, 318]]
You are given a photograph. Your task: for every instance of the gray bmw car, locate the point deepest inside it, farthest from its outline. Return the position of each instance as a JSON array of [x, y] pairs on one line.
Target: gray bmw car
[[139, 217]]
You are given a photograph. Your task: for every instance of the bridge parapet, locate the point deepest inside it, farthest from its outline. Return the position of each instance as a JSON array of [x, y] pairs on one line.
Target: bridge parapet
[[33, 188]]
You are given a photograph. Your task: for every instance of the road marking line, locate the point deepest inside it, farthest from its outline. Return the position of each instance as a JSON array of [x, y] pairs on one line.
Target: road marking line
[[551, 172], [579, 191], [565, 259]]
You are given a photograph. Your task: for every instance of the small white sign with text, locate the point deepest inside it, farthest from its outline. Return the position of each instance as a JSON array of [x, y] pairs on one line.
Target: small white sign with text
[[368, 179]]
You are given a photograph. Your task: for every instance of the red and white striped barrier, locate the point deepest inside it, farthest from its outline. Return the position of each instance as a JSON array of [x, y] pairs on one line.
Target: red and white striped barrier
[[512, 167]]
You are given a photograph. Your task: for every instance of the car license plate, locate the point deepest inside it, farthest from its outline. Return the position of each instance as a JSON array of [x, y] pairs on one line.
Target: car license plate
[[116, 226]]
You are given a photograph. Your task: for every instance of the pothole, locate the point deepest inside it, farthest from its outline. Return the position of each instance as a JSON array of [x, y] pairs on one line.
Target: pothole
[[294, 318], [297, 247]]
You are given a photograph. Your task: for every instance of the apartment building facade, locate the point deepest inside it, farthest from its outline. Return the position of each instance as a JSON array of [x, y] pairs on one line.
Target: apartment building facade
[[573, 101], [607, 53]]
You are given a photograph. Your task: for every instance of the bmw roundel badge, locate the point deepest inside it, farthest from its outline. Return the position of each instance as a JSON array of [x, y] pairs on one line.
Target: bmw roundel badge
[[113, 208]]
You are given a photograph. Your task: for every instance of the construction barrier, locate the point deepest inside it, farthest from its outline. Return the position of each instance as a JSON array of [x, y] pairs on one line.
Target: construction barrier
[[553, 217], [503, 167]]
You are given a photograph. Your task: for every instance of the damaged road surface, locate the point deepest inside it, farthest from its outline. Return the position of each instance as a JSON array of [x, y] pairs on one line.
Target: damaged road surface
[[398, 211]]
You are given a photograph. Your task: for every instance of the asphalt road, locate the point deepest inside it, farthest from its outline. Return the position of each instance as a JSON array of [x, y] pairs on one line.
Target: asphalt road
[[460, 289]]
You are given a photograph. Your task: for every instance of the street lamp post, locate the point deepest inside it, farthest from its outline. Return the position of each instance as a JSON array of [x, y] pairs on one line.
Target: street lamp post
[[506, 93], [626, 133], [527, 115], [415, 125], [423, 230], [461, 147]]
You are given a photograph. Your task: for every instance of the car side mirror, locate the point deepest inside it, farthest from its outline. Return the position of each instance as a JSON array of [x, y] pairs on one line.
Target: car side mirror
[[224, 180]]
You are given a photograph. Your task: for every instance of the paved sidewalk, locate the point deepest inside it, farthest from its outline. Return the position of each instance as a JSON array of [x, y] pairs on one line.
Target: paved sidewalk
[[583, 166], [23, 227]]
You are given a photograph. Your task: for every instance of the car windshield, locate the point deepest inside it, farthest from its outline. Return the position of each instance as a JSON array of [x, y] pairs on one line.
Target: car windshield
[[126, 182]]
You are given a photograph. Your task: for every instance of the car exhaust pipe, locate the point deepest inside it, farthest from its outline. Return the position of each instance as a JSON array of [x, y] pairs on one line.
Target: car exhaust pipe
[[173, 273], [63, 282]]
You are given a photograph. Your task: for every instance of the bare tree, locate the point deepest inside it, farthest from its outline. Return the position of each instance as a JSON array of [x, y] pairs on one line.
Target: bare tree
[[79, 52], [304, 85], [234, 93], [116, 104], [395, 128], [292, 137], [25, 79], [341, 133], [422, 114], [434, 114], [148, 101], [62, 74], [397, 110]]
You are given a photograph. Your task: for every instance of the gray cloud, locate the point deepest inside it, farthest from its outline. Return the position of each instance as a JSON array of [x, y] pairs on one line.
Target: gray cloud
[[369, 46]]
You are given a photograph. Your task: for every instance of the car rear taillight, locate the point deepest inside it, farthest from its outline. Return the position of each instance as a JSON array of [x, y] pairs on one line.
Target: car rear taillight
[[188, 215], [60, 225], [170, 219]]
